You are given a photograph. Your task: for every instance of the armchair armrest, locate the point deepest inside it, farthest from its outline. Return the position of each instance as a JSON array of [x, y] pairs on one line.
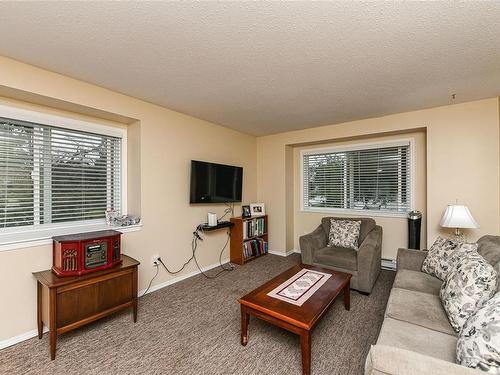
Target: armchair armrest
[[369, 259], [410, 259], [311, 242]]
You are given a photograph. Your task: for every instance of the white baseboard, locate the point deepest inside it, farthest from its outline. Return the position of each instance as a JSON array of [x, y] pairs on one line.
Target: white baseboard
[[180, 278], [33, 333], [283, 254], [22, 337]]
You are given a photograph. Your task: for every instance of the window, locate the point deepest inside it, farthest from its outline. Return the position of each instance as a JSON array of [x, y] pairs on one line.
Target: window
[[52, 175], [375, 178]]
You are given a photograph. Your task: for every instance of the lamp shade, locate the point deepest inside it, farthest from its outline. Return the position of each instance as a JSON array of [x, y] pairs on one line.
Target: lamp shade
[[458, 216]]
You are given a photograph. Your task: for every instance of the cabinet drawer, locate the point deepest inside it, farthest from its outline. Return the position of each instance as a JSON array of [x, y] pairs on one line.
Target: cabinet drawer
[[114, 292], [76, 304], [81, 302]]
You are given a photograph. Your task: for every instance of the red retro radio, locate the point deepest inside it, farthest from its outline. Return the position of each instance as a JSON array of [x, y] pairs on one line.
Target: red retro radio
[[78, 254]]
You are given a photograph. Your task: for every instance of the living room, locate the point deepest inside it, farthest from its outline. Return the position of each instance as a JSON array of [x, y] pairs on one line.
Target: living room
[[268, 89]]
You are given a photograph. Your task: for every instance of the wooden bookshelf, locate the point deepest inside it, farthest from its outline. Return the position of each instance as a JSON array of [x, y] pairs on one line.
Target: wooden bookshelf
[[237, 254]]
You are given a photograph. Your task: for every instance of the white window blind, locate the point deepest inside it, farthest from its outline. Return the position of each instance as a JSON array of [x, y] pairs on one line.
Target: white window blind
[[55, 175], [371, 178]]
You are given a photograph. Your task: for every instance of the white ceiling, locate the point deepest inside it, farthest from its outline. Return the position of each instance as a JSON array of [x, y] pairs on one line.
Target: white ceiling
[[267, 67]]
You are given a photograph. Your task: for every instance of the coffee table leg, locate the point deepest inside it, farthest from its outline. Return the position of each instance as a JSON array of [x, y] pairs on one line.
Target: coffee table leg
[[305, 346], [244, 325], [347, 297]]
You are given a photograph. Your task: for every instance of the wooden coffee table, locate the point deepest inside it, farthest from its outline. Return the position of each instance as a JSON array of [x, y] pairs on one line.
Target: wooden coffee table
[[297, 319]]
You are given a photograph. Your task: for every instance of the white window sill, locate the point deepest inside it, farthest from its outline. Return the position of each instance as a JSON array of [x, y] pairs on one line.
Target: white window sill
[[348, 212], [40, 237]]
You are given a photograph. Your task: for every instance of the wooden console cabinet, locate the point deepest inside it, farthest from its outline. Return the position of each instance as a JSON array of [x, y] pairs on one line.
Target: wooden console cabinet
[[66, 303]]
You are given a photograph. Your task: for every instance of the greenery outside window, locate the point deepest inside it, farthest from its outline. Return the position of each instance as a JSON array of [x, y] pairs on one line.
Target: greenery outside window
[[373, 178], [55, 175]]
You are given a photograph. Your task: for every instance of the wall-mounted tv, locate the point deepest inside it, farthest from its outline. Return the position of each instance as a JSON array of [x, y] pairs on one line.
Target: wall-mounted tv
[[215, 183]]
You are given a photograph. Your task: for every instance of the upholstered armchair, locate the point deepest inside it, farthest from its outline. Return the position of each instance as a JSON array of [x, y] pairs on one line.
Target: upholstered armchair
[[363, 264]]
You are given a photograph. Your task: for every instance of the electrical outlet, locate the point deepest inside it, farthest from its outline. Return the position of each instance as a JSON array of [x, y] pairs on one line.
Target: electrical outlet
[[154, 260]]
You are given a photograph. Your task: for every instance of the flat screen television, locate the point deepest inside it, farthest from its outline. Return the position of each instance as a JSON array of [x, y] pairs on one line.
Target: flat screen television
[[215, 183]]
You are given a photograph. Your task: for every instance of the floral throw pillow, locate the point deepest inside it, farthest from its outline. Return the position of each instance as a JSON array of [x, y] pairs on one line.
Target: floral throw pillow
[[478, 344], [443, 256], [344, 233], [467, 288]]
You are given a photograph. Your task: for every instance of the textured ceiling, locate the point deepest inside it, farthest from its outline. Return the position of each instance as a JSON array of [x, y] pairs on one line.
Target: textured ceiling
[[267, 67]]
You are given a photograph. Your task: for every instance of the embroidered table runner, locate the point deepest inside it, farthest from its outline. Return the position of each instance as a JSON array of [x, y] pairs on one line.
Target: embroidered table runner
[[300, 287]]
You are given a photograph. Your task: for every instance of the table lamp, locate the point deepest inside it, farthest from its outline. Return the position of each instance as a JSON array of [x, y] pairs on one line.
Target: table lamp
[[458, 216]]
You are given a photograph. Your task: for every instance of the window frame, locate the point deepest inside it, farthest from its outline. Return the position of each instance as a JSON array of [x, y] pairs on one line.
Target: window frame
[[33, 235], [356, 147]]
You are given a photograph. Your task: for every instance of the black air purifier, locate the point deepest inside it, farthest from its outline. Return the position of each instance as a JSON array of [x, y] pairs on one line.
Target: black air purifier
[[414, 226]]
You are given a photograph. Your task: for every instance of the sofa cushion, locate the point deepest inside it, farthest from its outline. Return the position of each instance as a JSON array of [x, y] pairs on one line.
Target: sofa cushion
[[367, 225], [344, 233], [389, 360], [443, 256], [479, 341], [337, 257], [418, 308], [489, 248], [467, 288], [422, 340], [417, 281]]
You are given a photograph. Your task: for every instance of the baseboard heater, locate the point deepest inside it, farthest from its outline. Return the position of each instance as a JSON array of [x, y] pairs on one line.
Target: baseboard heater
[[389, 264]]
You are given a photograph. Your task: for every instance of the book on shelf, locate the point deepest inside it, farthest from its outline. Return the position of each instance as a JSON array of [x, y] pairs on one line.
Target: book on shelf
[[255, 248], [253, 228]]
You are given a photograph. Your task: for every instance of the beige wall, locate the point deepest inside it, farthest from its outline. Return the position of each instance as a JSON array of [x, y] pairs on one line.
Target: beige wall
[[395, 228], [161, 144], [462, 163]]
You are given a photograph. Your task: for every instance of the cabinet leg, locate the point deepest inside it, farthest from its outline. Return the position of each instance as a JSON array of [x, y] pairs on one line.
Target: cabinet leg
[[134, 294], [244, 326], [39, 309], [305, 346], [53, 344], [52, 323]]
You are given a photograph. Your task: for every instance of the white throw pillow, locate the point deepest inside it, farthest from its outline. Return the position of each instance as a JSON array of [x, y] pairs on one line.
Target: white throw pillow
[[478, 344], [344, 233], [443, 256], [467, 288]]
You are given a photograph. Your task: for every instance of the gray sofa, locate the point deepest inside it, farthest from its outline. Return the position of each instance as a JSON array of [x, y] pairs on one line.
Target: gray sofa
[[363, 264], [416, 336]]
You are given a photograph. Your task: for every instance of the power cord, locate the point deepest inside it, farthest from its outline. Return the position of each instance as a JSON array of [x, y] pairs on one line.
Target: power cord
[[196, 236], [151, 282], [229, 209], [194, 245], [231, 267]]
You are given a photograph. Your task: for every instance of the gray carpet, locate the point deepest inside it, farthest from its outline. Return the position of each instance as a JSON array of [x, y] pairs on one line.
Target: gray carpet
[[193, 327]]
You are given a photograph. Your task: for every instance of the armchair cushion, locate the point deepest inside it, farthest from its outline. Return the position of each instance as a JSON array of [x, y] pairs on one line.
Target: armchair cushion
[[367, 225], [337, 257], [344, 233]]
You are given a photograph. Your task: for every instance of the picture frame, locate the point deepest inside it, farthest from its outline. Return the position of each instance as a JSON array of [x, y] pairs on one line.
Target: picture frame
[[245, 211], [257, 209]]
